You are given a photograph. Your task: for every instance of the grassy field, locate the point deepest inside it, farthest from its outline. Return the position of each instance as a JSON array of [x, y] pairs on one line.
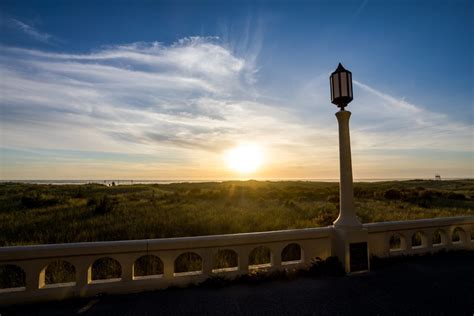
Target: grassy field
[[39, 214]]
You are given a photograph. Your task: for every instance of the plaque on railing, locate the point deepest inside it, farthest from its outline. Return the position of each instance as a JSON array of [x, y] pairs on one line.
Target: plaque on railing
[[358, 257]]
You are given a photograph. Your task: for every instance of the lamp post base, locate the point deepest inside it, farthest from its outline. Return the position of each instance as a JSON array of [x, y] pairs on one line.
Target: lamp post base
[[351, 246]]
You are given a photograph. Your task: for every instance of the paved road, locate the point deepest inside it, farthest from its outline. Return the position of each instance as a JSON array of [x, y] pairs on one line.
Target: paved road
[[437, 286]]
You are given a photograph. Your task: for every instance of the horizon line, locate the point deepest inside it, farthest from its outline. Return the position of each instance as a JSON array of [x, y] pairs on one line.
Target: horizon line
[[223, 180]]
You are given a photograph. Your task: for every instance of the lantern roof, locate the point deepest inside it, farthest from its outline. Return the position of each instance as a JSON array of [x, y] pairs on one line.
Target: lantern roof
[[340, 68]]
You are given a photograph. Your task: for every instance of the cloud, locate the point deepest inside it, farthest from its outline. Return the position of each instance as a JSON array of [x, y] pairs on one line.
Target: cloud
[[381, 121], [175, 109], [190, 99], [360, 8], [31, 31], [393, 123]]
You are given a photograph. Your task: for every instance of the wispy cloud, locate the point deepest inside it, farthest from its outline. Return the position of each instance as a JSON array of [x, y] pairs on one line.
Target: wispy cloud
[[190, 99], [381, 121], [31, 31], [182, 105], [360, 8], [394, 123]]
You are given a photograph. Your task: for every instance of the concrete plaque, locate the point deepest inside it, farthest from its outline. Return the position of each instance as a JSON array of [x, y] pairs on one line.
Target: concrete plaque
[[358, 256]]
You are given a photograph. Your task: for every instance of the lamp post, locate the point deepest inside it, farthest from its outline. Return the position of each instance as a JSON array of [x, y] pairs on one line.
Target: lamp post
[[341, 95], [351, 242]]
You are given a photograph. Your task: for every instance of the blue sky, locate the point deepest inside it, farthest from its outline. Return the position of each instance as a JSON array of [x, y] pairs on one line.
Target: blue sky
[[160, 90]]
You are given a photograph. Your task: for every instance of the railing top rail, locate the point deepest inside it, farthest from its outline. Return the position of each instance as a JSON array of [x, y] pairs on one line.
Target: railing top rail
[[229, 240], [419, 223], [130, 246]]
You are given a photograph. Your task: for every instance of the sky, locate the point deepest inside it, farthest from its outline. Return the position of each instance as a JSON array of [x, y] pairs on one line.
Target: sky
[[165, 90]]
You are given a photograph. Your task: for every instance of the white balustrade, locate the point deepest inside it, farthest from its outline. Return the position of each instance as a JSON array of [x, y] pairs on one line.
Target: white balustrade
[[33, 261]]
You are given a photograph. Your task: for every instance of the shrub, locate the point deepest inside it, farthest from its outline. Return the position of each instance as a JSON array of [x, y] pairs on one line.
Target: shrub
[[60, 272], [148, 265], [102, 205], [260, 255], [188, 262], [427, 195], [362, 193], [11, 276], [106, 268], [392, 194], [456, 196], [329, 267], [79, 193], [38, 200], [333, 198], [326, 217], [216, 282]]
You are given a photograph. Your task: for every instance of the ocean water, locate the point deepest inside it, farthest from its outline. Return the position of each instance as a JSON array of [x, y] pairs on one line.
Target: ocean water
[[129, 181]]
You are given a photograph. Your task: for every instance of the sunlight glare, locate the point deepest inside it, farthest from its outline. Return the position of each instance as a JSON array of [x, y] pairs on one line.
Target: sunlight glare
[[245, 158]]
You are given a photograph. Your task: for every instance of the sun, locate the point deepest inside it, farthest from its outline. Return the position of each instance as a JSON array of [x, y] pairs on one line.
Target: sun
[[246, 158]]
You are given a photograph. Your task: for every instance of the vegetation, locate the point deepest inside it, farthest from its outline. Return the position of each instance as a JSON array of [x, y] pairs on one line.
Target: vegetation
[[41, 214], [377, 263], [318, 268]]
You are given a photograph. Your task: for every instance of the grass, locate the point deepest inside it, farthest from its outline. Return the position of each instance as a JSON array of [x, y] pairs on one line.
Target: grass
[[44, 214]]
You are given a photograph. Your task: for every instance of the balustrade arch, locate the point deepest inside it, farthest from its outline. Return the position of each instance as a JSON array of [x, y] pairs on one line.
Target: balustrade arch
[[292, 253], [58, 273]]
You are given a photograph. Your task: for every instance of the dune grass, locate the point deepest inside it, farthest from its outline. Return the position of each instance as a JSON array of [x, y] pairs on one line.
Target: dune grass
[[43, 214]]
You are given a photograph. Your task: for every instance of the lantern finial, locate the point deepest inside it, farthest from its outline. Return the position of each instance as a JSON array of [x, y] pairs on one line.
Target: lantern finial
[[340, 68]]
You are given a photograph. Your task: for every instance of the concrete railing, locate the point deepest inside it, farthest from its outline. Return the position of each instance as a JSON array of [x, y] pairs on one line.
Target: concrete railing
[[385, 239], [34, 261], [420, 236]]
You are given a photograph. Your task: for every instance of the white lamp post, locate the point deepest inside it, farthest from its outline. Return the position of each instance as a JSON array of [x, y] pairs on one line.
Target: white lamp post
[[341, 95], [351, 242]]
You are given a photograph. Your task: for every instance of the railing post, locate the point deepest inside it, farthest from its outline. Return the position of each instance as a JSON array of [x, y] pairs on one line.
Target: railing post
[[168, 266], [276, 257], [408, 238], [429, 239], [83, 267], [32, 276], [243, 253], [126, 263], [207, 262]]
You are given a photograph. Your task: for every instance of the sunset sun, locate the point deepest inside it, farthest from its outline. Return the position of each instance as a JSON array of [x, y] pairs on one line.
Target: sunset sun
[[245, 158]]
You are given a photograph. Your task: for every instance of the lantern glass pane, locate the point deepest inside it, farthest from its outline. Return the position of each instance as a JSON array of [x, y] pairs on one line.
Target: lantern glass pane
[[332, 93], [335, 86], [344, 89], [350, 85]]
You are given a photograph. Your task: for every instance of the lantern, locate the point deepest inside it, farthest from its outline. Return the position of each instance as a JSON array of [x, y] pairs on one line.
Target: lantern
[[341, 87]]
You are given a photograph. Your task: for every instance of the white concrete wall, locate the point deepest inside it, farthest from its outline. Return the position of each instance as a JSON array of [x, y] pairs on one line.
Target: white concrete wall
[[314, 242]]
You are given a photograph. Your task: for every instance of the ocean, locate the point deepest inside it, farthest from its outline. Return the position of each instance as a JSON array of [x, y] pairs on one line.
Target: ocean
[[130, 181]]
